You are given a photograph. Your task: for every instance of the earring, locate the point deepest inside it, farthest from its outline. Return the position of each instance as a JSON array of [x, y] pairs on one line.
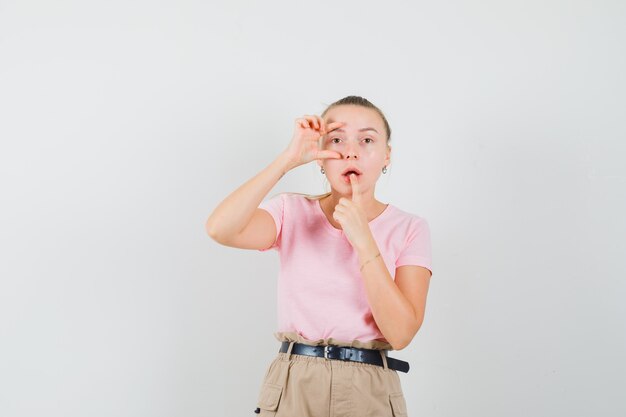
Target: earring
[[322, 170], [384, 170]]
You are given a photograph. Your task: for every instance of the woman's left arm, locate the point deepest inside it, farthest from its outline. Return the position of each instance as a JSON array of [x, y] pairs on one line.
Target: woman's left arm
[[397, 306]]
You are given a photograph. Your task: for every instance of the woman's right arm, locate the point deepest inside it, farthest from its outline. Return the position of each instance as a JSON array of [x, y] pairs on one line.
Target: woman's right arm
[[228, 223], [233, 214]]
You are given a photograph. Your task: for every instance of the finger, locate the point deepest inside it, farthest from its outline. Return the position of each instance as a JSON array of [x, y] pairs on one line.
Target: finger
[[308, 123], [313, 120], [338, 213], [322, 125], [328, 155], [334, 125], [303, 122], [356, 190]]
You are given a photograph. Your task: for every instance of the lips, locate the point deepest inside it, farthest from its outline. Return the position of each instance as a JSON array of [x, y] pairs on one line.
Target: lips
[[350, 169]]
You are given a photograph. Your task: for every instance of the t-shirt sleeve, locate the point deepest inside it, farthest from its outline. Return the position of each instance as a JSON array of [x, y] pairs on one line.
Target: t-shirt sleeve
[[417, 249], [275, 206]]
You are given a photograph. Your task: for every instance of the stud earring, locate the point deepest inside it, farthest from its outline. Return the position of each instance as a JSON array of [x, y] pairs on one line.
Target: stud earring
[[322, 170], [384, 170]]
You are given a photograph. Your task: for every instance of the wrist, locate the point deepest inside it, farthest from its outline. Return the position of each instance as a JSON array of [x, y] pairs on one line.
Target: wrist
[[369, 260], [284, 163], [367, 250]]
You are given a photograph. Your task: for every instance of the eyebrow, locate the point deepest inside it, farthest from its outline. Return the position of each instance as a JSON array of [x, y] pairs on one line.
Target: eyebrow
[[360, 130]]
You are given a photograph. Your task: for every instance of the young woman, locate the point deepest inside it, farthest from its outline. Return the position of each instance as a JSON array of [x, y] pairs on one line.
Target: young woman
[[354, 272]]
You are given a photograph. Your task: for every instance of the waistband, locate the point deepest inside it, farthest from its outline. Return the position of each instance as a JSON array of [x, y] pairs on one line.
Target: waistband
[[292, 336], [370, 356]]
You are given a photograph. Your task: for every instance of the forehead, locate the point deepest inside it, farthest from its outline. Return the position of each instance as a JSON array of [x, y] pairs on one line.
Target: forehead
[[354, 117]]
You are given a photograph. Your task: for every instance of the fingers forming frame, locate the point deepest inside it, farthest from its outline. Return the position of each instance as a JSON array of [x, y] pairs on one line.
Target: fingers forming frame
[[316, 122]]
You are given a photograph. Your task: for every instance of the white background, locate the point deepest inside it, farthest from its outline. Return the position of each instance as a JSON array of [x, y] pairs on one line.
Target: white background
[[124, 123]]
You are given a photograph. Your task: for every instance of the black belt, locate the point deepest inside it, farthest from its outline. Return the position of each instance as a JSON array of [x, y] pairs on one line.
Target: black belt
[[371, 356]]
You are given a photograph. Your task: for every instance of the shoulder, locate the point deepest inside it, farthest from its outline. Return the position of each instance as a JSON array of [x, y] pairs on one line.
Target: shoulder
[[295, 198], [406, 226], [406, 218], [286, 197], [294, 201]]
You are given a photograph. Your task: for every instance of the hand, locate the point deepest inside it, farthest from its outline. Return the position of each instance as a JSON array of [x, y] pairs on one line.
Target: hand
[[305, 146], [352, 217]]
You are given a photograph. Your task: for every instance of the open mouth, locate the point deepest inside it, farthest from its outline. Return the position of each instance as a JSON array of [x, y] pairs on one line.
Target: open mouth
[[351, 170]]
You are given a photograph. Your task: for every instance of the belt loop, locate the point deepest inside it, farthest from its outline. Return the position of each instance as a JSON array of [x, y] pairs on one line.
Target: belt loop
[[384, 357], [289, 351]]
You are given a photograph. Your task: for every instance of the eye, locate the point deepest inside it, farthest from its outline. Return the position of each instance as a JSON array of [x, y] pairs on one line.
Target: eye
[[370, 140], [332, 140]]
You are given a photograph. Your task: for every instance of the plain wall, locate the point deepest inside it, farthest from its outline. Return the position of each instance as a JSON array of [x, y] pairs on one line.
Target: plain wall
[[124, 123]]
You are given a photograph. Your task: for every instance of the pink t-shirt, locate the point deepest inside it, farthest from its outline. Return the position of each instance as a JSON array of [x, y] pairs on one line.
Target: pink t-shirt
[[321, 293]]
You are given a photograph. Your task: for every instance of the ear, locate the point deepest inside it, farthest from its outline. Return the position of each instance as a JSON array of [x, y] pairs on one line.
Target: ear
[[388, 156]]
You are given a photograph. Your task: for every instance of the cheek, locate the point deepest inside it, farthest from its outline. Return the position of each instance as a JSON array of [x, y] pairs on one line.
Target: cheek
[[371, 159], [372, 155], [334, 166]]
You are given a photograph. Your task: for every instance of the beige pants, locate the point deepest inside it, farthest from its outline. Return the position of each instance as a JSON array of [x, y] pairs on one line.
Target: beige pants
[[310, 386]]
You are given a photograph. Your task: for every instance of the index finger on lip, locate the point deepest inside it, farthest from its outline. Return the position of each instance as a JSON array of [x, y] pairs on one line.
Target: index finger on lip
[[355, 184]]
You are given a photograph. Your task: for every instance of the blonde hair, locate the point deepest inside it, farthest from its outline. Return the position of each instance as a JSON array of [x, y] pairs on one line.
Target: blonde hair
[[311, 196]]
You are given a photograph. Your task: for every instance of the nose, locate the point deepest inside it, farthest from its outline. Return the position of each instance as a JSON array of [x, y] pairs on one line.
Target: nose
[[351, 152]]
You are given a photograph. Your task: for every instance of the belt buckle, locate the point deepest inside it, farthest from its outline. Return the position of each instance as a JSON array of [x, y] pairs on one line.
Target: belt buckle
[[326, 348]]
